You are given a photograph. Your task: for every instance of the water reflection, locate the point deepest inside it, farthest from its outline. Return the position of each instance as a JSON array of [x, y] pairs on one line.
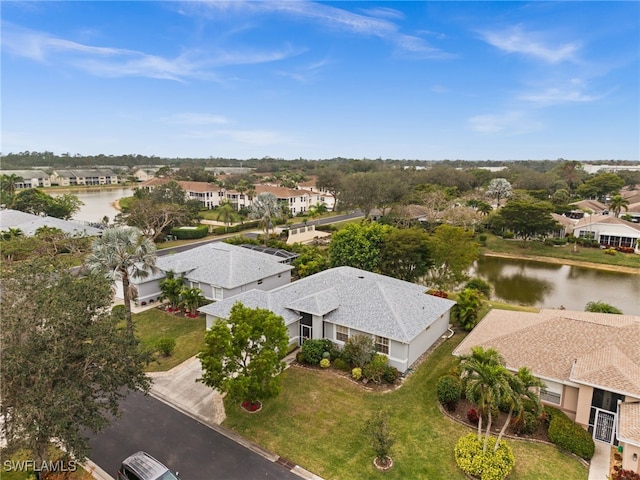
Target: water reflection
[[550, 285]]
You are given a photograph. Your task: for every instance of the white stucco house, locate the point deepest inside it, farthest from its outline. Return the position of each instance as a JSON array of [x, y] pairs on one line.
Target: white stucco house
[[608, 231], [590, 363], [219, 269], [343, 302]]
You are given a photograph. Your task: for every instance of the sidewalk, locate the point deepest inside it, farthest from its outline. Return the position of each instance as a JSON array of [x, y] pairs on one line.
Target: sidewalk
[[599, 466]]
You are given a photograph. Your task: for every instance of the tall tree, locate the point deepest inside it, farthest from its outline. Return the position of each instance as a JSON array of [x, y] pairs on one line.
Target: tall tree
[[37, 202], [243, 355], [123, 253], [361, 191], [265, 207], [453, 251], [66, 362], [601, 185], [358, 245], [499, 188], [330, 180], [527, 219], [152, 218], [404, 254]]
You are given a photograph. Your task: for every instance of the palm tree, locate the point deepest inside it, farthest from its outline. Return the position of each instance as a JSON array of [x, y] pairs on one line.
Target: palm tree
[[521, 385], [123, 253], [485, 382], [171, 288], [12, 232], [617, 204], [8, 187], [265, 207], [467, 307], [192, 298], [317, 210], [226, 213]]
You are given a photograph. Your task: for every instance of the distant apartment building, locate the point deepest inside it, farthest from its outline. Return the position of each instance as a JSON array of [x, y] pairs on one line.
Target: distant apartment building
[[29, 178], [92, 176], [211, 195]]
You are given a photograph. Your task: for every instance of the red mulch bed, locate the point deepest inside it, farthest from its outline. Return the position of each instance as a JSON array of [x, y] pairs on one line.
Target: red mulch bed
[[464, 406], [177, 313]]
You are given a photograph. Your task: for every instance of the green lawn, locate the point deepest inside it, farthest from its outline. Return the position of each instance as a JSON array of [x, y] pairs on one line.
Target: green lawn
[[592, 255], [153, 324], [317, 422]]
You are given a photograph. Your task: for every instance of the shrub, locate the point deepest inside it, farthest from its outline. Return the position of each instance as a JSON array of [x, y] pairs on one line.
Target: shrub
[[438, 293], [341, 364], [449, 389], [483, 239], [480, 285], [526, 424], [508, 235], [374, 370], [118, 311], [359, 350], [472, 416], [326, 355], [325, 362], [312, 350], [356, 373], [610, 251], [391, 374], [486, 466], [165, 346], [187, 233], [625, 475], [377, 428], [568, 435]]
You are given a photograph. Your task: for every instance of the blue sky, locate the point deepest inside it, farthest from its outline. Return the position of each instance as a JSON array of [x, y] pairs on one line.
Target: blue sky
[[315, 80]]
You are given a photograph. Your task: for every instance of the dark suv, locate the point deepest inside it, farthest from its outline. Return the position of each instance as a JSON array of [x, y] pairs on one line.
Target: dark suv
[[142, 466]]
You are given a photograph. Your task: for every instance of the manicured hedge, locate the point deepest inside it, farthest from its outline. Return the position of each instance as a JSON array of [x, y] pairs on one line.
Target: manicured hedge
[[569, 435], [188, 233]]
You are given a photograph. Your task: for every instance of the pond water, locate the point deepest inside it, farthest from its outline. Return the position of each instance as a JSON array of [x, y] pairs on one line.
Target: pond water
[[98, 203], [547, 285]]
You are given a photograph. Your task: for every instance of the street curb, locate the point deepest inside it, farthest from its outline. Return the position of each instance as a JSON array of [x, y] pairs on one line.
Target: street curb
[[95, 471], [231, 435]]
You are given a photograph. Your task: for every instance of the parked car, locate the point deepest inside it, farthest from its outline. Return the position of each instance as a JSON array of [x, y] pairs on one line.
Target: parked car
[[142, 466]]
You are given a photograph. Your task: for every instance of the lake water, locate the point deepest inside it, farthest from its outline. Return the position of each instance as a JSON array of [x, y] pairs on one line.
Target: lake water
[[539, 284], [98, 203]]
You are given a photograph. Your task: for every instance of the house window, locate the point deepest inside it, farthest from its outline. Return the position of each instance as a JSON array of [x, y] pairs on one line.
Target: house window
[[382, 345], [342, 333], [217, 293], [552, 393], [587, 235]]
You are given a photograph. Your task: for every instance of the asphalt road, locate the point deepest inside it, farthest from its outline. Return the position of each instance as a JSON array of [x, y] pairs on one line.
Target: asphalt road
[[183, 444]]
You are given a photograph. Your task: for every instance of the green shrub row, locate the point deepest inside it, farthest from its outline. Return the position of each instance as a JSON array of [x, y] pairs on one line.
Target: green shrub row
[[182, 233], [569, 435], [236, 228]]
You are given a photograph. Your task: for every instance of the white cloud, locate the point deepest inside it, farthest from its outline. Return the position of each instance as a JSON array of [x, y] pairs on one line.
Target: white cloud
[[511, 122], [517, 40], [573, 92], [118, 62], [369, 25]]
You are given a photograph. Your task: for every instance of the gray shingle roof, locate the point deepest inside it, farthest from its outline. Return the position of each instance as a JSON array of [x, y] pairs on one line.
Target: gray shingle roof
[[354, 298], [222, 265], [29, 223]]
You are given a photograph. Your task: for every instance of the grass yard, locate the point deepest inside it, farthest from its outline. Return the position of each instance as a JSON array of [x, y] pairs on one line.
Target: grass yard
[[590, 255], [318, 418], [154, 324]]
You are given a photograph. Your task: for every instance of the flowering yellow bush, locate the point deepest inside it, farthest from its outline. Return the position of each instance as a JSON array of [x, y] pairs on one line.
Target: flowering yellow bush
[[356, 373], [488, 466], [325, 362]]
